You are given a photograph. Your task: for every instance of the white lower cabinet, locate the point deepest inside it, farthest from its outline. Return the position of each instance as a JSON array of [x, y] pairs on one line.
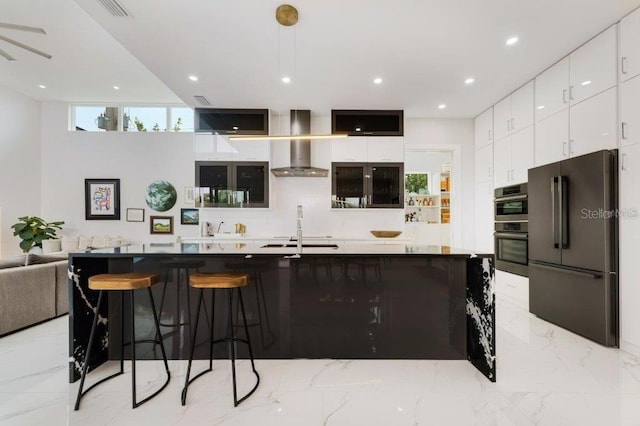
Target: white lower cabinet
[[512, 288], [629, 222]]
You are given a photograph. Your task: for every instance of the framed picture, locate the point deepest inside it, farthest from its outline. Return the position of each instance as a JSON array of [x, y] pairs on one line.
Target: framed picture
[[189, 216], [135, 215], [189, 195], [102, 199], [161, 224]]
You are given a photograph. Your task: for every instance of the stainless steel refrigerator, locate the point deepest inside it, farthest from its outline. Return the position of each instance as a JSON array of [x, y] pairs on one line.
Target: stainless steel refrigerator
[[573, 245]]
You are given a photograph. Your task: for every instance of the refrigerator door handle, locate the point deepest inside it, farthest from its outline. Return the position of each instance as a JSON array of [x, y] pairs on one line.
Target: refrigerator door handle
[[554, 192], [592, 275], [564, 210]]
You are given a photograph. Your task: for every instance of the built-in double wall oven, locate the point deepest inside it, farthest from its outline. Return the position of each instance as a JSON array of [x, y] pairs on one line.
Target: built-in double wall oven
[[511, 229]]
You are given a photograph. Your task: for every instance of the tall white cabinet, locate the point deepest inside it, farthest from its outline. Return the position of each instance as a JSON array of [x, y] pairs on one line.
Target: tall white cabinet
[[484, 182]]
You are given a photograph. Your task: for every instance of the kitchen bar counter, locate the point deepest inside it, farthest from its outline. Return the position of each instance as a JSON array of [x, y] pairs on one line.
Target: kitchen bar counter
[[372, 301]]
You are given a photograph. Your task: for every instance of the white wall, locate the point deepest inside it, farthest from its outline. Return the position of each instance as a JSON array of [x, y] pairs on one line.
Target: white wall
[[458, 134], [19, 164], [138, 159]]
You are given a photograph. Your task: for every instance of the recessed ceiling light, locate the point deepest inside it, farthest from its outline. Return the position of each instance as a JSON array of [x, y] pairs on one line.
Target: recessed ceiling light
[[540, 107], [116, 87], [286, 79], [470, 80], [586, 83], [377, 80], [193, 78], [442, 106], [42, 86], [235, 127], [358, 129], [512, 41]]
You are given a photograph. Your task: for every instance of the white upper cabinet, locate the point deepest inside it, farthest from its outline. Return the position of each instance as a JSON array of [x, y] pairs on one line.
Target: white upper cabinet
[[385, 149], [250, 150], [484, 164], [212, 147], [552, 90], [513, 113], [592, 68], [484, 129], [502, 162], [502, 119], [629, 46], [630, 111], [521, 155], [552, 139], [512, 158], [372, 149], [349, 149], [522, 108], [592, 124], [484, 217]]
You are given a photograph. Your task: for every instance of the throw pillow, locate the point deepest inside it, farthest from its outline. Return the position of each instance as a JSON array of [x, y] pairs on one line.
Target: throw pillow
[[83, 242], [69, 244], [13, 262]]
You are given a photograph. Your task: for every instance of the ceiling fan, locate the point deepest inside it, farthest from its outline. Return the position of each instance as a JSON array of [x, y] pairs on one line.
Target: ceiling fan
[[17, 43]]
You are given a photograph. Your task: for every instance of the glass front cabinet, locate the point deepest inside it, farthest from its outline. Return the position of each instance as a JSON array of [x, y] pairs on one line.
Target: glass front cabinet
[[231, 184], [367, 185]]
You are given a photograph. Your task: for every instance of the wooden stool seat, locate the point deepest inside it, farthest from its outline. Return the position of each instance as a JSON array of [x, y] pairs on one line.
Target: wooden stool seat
[[128, 281], [219, 280]]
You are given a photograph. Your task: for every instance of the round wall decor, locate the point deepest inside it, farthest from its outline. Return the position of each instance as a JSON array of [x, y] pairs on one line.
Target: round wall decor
[[161, 196]]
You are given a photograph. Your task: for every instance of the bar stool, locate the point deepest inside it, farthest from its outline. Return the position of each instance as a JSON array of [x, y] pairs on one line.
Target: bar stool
[[128, 282], [229, 282]]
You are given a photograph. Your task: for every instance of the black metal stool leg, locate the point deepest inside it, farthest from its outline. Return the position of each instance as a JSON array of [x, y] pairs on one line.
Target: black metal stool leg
[[121, 331], [133, 352], [188, 381], [156, 321], [232, 348], [253, 366]]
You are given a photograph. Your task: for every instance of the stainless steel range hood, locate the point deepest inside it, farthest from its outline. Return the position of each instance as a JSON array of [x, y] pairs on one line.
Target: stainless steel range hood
[[300, 149]]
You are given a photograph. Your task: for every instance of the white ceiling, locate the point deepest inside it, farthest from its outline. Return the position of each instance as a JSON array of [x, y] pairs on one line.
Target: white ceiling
[[423, 49]]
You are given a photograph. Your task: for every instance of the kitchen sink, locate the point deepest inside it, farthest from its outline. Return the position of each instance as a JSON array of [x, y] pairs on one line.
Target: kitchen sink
[[287, 245]]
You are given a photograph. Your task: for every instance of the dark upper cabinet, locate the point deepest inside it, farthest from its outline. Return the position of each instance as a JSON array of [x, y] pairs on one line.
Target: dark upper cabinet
[[368, 122], [227, 121], [229, 184], [367, 185]]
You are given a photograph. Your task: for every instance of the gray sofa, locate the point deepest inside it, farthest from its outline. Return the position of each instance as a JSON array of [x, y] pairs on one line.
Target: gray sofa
[[33, 293]]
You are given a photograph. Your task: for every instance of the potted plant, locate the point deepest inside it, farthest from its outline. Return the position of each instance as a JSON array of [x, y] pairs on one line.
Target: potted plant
[[32, 230]]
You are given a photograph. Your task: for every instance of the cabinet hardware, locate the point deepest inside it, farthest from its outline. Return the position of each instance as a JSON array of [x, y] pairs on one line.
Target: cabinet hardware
[[623, 65], [571, 147], [564, 149], [564, 96], [490, 172], [623, 163], [489, 134], [570, 93], [624, 130], [508, 129], [511, 123]]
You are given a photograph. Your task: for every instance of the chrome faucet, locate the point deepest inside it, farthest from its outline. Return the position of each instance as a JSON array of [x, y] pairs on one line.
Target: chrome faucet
[[299, 234]]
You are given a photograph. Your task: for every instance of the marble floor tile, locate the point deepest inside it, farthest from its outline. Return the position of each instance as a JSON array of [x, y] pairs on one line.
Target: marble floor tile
[[546, 376]]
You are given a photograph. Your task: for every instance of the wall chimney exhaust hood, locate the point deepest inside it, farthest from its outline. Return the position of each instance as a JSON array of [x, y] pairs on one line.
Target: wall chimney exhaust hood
[[300, 149]]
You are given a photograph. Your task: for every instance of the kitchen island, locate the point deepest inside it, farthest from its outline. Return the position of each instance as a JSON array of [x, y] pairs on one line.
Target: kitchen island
[[365, 301]]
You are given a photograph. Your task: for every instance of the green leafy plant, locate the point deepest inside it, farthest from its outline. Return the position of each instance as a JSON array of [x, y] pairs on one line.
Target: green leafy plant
[[139, 124], [156, 128], [32, 230], [414, 182], [178, 125]]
